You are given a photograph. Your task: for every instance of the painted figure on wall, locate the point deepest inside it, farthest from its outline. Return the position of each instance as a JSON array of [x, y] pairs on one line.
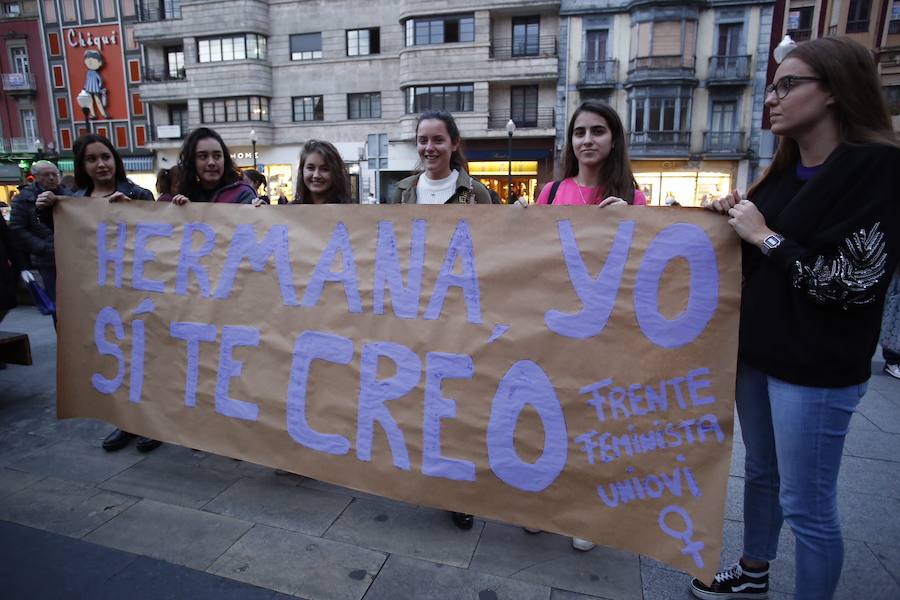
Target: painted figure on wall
[[93, 83]]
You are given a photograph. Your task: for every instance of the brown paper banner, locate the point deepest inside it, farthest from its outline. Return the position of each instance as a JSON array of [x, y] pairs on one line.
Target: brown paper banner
[[567, 368]]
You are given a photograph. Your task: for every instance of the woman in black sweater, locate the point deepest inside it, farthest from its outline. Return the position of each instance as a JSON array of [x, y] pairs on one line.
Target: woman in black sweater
[[821, 238]]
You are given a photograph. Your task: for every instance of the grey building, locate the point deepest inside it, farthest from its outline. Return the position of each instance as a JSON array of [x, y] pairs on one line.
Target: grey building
[[357, 74]]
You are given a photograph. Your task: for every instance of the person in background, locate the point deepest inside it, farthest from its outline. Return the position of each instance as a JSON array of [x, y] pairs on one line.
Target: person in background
[[100, 173], [595, 166], [33, 227], [323, 176], [208, 173], [167, 183], [12, 263], [256, 180], [443, 178], [890, 329], [821, 239]]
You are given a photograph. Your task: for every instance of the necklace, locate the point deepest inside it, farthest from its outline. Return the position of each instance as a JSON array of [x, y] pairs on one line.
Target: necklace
[[578, 187]]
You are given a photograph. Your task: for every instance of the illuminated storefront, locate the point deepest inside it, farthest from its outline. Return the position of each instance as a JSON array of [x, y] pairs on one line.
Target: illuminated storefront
[[688, 184], [495, 175]]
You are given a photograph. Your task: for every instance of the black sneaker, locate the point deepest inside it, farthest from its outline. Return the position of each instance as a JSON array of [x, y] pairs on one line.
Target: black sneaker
[[736, 581]]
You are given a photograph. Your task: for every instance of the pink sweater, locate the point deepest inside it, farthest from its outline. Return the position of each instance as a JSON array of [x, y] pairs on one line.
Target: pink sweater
[[568, 194]]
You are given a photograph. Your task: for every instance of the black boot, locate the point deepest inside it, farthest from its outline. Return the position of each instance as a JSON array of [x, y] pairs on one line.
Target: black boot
[[145, 444], [462, 520], [116, 440]]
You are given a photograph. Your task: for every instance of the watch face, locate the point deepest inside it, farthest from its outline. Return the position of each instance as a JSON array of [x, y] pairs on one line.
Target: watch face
[[772, 241]]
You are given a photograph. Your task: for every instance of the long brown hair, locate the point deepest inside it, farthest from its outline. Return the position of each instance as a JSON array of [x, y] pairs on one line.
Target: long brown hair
[[846, 69], [187, 161], [457, 158], [615, 175], [339, 193]]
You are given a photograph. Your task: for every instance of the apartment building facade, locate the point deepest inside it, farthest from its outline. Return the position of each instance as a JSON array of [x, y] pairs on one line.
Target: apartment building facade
[[687, 79], [26, 125], [874, 24], [356, 74], [89, 50]]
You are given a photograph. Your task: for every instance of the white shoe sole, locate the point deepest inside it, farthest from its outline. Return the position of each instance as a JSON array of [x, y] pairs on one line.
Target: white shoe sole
[[582, 545], [733, 596]]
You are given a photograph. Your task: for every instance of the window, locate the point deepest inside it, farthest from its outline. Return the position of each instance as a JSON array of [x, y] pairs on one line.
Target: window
[[362, 42], [892, 93], [231, 110], [175, 62], [524, 105], [660, 109], [595, 44], [729, 43], [364, 106], [452, 98], [178, 115], [800, 23], [239, 47], [894, 26], [858, 16], [159, 9], [306, 46], [526, 33], [377, 150], [723, 115], [19, 56], [29, 126], [309, 108], [440, 30], [12, 9]]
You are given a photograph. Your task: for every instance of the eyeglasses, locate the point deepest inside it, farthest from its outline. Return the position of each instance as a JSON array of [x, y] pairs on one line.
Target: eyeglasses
[[783, 86]]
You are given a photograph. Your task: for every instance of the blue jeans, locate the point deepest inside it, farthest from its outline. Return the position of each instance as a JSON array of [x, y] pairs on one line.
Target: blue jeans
[[794, 437]]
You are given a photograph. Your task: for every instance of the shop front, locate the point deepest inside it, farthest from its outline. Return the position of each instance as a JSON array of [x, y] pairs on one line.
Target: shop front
[[684, 183], [529, 166], [10, 179]]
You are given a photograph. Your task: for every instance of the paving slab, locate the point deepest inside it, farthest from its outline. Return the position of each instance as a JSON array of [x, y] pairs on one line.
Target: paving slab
[[338, 489], [87, 431], [179, 535], [873, 444], [77, 461], [889, 557], [240, 468], [16, 444], [869, 518], [61, 506], [278, 502], [884, 383], [178, 454], [424, 533], [170, 482], [300, 565], [864, 576], [881, 411], [870, 476], [549, 559], [738, 452], [567, 595], [13, 481], [404, 577]]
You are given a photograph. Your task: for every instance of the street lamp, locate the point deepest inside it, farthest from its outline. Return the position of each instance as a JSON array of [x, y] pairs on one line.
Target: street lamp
[[253, 144], [39, 149], [510, 130], [84, 101]]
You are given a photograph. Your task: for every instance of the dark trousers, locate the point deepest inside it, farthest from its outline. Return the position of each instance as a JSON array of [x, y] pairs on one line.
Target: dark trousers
[[890, 357]]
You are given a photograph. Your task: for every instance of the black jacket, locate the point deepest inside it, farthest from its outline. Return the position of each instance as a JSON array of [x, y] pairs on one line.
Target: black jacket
[[33, 229], [11, 264], [811, 310], [127, 187]]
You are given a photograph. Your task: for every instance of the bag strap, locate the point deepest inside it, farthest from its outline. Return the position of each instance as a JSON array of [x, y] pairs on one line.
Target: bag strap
[[553, 190]]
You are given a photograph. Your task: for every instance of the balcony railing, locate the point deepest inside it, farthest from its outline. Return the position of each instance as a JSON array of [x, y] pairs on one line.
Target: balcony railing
[[169, 132], [723, 142], [673, 63], [598, 72], [26, 11], [156, 10], [18, 145], [542, 118], [162, 74], [729, 68], [800, 35], [671, 141], [526, 47], [19, 82]]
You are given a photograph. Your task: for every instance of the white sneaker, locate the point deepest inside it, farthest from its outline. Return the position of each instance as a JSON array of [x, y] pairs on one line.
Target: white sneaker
[[532, 530], [583, 545], [892, 370]]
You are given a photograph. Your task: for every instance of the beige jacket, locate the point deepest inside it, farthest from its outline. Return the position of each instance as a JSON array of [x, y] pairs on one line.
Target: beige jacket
[[468, 191]]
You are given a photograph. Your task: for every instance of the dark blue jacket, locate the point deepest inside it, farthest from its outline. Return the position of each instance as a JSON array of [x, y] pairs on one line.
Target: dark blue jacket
[[33, 229]]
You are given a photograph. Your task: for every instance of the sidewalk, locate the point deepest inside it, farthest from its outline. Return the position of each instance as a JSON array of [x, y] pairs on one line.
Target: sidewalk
[[77, 522]]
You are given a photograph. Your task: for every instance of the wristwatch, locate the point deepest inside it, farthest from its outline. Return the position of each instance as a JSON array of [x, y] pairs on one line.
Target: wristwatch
[[771, 242]]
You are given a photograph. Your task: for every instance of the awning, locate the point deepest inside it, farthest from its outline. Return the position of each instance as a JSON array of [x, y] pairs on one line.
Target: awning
[[10, 173], [141, 164], [66, 165], [530, 154]]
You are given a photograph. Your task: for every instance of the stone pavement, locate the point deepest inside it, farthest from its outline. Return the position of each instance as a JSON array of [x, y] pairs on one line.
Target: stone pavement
[[77, 522]]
